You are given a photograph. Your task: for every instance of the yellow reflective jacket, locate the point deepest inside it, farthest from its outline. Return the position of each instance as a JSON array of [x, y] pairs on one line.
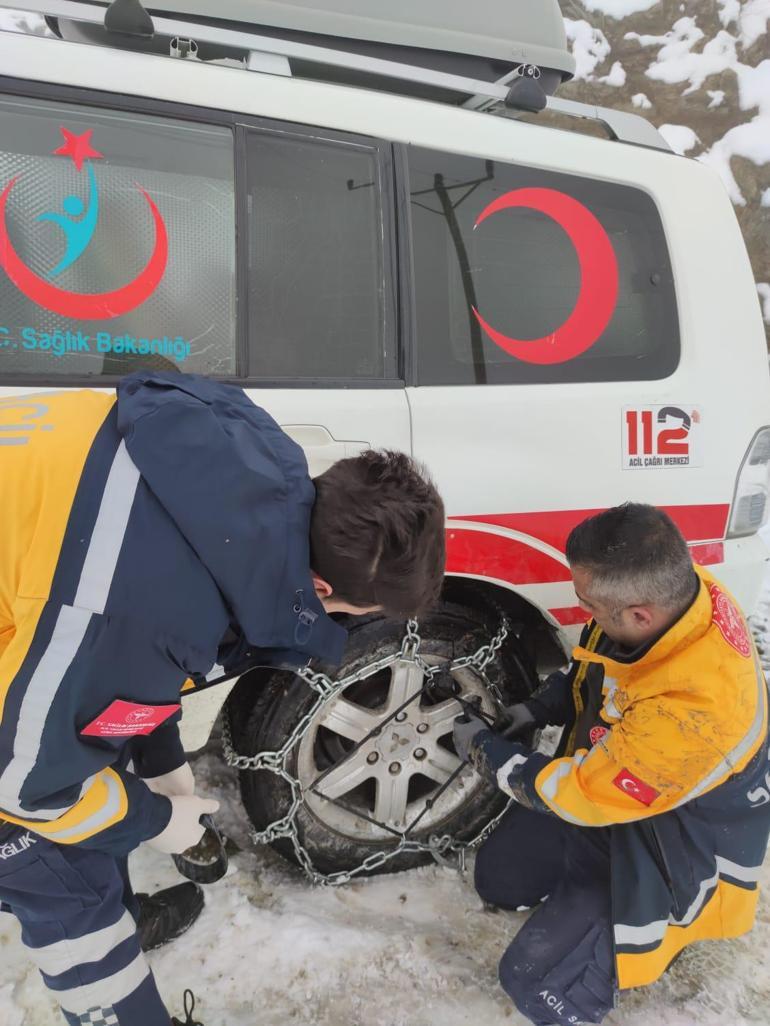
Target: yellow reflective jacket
[[672, 755]]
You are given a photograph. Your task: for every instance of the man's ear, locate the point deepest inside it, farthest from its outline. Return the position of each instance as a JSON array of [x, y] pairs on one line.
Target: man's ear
[[642, 617], [322, 588]]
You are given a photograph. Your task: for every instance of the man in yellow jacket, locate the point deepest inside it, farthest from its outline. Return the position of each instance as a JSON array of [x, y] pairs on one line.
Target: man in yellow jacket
[[648, 828]]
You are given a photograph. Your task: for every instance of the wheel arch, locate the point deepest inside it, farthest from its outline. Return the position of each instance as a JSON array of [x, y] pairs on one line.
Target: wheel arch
[[535, 637], [535, 631]]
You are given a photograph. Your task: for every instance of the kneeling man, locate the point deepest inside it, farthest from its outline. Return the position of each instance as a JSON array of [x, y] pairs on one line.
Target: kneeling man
[[648, 828]]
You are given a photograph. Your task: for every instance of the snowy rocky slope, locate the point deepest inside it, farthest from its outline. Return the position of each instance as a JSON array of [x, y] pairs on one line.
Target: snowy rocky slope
[[700, 71]]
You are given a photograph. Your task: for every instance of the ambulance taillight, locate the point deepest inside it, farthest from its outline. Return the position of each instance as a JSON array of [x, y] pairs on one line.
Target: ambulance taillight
[[752, 488]]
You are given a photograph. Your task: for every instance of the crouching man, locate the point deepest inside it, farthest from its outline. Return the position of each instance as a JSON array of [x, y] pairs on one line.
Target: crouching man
[[648, 828], [168, 534]]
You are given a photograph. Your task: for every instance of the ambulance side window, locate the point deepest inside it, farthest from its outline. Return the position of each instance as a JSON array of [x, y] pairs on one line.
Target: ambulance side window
[[320, 305], [117, 243], [524, 276]]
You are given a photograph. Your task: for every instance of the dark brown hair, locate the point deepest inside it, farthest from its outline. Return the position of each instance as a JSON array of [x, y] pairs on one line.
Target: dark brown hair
[[377, 533]]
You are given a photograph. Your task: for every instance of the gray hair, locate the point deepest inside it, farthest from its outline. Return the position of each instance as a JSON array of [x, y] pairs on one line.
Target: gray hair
[[636, 556]]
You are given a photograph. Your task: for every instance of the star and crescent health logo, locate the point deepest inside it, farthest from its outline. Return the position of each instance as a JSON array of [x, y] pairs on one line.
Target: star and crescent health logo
[[79, 216], [77, 221]]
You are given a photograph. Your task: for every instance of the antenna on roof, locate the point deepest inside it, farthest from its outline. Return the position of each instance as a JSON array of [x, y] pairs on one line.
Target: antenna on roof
[[129, 18]]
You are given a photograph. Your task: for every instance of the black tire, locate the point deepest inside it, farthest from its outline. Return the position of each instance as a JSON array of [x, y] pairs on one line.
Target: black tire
[[283, 699]]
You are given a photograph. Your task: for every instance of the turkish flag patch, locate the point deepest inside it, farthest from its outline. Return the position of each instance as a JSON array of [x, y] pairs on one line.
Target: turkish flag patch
[[128, 719], [635, 788]]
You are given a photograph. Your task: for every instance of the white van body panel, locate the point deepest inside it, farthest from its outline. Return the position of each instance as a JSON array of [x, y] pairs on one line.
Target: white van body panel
[[537, 452]]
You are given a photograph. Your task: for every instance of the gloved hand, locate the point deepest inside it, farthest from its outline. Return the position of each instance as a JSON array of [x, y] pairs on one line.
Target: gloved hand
[[515, 720], [465, 731], [484, 748], [184, 829], [178, 782]]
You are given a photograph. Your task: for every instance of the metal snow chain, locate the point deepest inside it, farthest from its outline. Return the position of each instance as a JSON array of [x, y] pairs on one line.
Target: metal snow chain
[[439, 847]]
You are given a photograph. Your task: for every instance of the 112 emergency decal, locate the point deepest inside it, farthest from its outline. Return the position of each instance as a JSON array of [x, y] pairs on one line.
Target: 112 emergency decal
[[661, 437]]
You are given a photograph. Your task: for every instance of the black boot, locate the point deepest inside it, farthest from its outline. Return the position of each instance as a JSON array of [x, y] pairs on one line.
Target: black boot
[[189, 1007], [167, 914]]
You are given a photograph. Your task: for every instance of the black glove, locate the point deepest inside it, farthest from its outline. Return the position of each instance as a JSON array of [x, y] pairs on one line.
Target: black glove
[[466, 729], [515, 720], [483, 748]]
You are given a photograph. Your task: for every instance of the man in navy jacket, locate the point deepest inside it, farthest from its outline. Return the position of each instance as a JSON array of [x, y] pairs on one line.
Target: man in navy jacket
[[166, 533]]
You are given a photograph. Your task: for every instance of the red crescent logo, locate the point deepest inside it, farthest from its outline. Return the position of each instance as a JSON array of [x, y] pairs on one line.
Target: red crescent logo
[[598, 278], [84, 306]]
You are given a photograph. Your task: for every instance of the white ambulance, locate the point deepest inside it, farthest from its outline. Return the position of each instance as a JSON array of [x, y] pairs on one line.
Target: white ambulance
[[380, 222]]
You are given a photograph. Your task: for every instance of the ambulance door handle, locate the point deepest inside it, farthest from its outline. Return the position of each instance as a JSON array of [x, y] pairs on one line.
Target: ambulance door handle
[[322, 449]]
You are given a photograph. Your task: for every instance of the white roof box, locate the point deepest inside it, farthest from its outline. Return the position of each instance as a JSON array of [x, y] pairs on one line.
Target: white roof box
[[484, 40], [510, 32]]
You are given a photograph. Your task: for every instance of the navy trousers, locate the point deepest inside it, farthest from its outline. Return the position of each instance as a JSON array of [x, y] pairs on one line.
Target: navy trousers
[[77, 910], [560, 967]]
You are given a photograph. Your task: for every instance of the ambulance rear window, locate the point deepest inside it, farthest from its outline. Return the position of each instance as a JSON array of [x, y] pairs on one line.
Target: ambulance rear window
[[525, 276], [117, 243]]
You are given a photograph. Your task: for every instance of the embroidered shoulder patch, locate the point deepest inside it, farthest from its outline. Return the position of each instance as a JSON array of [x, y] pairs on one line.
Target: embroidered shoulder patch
[[128, 719], [731, 624], [597, 733], [635, 788]]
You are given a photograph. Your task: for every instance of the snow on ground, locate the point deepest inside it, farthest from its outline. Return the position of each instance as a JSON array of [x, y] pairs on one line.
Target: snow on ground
[[411, 949]]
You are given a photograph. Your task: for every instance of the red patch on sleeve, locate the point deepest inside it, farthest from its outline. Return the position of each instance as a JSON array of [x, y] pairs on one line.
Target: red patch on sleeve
[[128, 719], [731, 624], [597, 733], [635, 788]]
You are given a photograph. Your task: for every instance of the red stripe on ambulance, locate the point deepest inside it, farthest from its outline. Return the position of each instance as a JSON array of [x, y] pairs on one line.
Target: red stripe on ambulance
[[697, 523], [497, 557]]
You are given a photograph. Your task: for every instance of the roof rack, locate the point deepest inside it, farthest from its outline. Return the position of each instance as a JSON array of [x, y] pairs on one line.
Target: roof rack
[[268, 54]]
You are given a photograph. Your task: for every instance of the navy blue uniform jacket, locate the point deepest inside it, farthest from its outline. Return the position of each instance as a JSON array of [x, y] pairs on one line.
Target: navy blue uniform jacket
[[160, 536]]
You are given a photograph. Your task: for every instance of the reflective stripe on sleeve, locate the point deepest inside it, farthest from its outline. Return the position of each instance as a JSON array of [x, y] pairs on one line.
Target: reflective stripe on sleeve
[[67, 637], [547, 786], [57, 958], [104, 804], [744, 746], [106, 992], [108, 533], [505, 771], [69, 632]]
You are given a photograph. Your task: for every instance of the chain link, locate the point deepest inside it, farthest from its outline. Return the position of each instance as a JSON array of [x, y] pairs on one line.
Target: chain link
[[440, 847]]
